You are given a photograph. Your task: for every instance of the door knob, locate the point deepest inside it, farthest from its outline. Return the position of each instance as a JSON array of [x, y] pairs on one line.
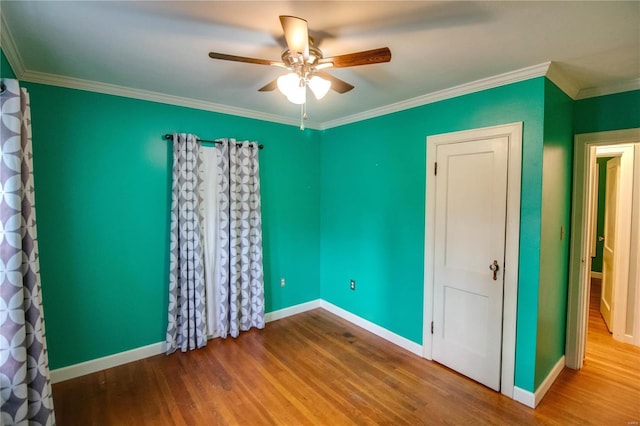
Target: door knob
[[494, 267]]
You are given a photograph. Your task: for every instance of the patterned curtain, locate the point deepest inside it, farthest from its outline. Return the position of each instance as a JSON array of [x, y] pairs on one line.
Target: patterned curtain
[[187, 327], [25, 383], [241, 304]]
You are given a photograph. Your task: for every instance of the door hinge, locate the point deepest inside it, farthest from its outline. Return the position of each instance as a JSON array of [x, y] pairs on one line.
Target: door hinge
[[435, 168], [431, 327]]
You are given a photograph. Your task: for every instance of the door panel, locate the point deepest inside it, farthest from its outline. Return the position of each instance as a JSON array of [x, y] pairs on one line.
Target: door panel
[[471, 200], [608, 253]]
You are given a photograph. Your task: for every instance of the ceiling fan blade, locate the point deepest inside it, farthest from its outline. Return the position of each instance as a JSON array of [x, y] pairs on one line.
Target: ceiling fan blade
[[225, 57], [338, 85], [374, 56], [296, 33], [272, 85]]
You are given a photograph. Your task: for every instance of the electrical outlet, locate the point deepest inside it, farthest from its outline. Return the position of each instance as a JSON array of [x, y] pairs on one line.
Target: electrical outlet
[[352, 284], [282, 282]]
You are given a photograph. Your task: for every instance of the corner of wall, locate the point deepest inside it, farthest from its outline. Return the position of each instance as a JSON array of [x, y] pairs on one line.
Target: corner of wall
[[532, 399], [554, 230]]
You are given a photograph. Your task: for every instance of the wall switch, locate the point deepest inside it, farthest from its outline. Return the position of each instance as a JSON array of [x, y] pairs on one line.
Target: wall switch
[[282, 282], [352, 284]]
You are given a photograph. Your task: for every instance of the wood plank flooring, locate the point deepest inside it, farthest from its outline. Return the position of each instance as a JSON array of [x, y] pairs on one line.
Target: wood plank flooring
[[317, 369], [607, 390]]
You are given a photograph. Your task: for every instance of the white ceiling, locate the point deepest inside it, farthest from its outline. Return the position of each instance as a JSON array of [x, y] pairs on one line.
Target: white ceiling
[[160, 48]]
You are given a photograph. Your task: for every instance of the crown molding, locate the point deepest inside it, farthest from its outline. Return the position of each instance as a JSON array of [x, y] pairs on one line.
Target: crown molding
[[527, 73], [560, 79], [547, 69], [128, 92], [9, 49], [111, 89], [592, 92], [15, 60]]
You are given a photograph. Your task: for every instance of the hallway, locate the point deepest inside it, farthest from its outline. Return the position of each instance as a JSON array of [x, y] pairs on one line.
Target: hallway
[[608, 386]]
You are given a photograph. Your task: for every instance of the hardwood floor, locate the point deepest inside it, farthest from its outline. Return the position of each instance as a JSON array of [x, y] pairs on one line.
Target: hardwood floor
[[607, 390], [315, 368]]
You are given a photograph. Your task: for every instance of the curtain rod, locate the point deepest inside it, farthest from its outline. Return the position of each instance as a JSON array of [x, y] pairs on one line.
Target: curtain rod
[[169, 137]]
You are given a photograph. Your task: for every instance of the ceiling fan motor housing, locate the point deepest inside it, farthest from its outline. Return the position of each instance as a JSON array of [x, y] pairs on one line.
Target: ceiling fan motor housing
[[296, 62]]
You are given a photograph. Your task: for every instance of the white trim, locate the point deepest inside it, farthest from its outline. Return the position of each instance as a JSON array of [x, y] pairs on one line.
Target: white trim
[[441, 95], [592, 92], [23, 74], [544, 69], [75, 83], [524, 397], [111, 89], [115, 360], [292, 310], [98, 364], [127, 92], [560, 79], [548, 381], [634, 266], [512, 241], [597, 275], [531, 399], [390, 336], [579, 260], [9, 48]]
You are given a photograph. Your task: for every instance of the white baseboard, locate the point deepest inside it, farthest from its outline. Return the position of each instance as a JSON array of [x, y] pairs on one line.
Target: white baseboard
[[373, 328], [61, 374], [292, 310], [524, 397], [91, 366], [98, 364], [77, 370], [596, 274], [533, 399], [551, 377]]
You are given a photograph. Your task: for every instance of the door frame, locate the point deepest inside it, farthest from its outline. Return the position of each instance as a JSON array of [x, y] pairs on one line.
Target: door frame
[[585, 146], [513, 132]]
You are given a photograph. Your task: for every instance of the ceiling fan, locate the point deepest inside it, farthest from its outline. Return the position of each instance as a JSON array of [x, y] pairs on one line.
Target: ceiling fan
[[306, 64]]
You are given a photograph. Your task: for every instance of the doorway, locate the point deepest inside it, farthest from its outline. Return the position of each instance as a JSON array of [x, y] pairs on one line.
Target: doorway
[[456, 150], [625, 294]]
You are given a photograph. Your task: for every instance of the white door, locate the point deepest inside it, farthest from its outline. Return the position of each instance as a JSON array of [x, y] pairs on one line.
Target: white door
[[608, 259], [470, 225]]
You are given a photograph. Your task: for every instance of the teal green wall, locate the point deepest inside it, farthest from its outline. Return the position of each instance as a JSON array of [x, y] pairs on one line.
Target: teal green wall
[[102, 176], [611, 112], [5, 69], [345, 203], [555, 225], [373, 206], [596, 262]]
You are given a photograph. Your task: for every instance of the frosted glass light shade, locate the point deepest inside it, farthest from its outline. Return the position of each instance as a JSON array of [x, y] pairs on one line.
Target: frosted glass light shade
[[298, 95], [319, 86], [288, 82], [289, 85]]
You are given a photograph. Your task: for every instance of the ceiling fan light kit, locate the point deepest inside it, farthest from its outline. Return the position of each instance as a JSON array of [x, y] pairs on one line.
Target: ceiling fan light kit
[[305, 64], [293, 86]]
